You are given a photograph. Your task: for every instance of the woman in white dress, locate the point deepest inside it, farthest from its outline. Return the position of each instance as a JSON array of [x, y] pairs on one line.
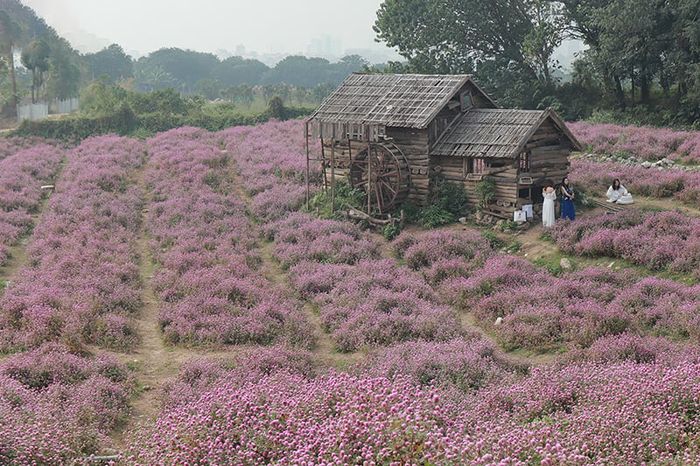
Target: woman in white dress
[[617, 194], [549, 196]]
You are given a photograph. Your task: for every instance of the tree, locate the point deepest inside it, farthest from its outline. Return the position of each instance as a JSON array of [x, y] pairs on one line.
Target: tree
[[507, 43], [150, 77], [64, 71], [35, 57], [185, 67], [9, 34], [235, 71], [452, 36], [111, 62], [544, 38]]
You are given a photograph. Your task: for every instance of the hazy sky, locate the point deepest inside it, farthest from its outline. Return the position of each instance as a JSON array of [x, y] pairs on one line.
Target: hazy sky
[[266, 26]]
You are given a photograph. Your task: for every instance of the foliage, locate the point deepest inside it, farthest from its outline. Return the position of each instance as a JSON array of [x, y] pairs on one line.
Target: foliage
[[391, 231], [448, 196], [494, 240], [110, 109], [35, 57], [486, 190], [434, 216], [111, 64], [345, 196], [638, 52]]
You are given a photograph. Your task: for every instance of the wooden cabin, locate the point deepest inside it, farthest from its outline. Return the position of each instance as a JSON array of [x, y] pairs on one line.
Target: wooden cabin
[[390, 134]]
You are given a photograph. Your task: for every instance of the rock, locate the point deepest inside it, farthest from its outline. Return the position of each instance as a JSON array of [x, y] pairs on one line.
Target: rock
[[499, 321], [463, 220], [646, 164], [565, 264]]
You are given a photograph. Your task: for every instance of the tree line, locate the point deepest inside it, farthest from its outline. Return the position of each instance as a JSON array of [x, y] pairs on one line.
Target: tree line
[[642, 57], [51, 68]]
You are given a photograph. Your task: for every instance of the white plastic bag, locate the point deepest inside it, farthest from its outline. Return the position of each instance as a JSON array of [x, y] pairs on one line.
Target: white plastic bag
[[528, 211]]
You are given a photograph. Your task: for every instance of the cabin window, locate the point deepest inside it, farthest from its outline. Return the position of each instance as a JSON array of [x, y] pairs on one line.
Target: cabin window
[[525, 161], [471, 165], [465, 99]]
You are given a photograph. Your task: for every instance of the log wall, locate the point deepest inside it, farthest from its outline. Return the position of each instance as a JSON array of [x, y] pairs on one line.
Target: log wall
[[549, 162]]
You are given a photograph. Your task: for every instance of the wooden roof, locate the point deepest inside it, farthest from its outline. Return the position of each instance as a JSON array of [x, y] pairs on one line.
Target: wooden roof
[[398, 100], [489, 133]]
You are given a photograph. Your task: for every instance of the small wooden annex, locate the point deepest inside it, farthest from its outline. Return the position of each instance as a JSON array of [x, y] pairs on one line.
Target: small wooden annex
[[391, 134]]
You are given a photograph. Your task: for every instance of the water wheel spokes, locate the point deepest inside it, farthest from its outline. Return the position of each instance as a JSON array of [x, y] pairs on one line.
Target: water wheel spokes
[[382, 172]]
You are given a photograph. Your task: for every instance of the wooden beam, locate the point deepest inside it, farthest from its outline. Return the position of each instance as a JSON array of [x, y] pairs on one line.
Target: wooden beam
[[308, 162], [333, 171]]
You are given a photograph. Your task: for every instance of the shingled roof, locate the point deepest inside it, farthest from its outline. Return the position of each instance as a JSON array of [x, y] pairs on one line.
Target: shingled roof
[[393, 100], [489, 133]]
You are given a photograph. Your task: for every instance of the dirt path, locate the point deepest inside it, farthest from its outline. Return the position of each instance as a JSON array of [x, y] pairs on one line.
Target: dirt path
[[153, 361], [272, 270], [18, 252]]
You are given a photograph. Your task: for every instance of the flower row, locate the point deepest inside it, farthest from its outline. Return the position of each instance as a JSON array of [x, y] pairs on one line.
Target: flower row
[[56, 406], [208, 277], [21, 178], [81, 281]]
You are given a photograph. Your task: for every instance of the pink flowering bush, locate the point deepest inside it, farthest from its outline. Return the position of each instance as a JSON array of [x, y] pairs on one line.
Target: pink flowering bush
[[299, 237], [644, 142], [56, 406], [661, 240], [12, 145], [468, 363], [21, 178], [374, 302], [442, 254], [288, 419], [635, 348], [271, 161], [202, 374], [598, 176], [81, 282]]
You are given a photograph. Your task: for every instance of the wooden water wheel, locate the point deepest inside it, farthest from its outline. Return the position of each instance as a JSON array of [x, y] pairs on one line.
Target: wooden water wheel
[[382, 171]]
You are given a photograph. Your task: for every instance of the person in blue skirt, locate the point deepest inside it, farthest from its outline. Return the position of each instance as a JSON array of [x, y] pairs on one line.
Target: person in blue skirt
[[568, 211]]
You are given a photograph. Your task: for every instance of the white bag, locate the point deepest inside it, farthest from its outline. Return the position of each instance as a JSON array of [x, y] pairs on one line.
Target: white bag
[[519, 216], [528, 211]]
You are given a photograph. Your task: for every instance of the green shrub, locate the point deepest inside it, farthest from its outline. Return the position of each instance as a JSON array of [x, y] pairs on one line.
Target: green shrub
[[486, 190], [345, 197], [434, 216], [391, 231], [448, 196], [494, 241]]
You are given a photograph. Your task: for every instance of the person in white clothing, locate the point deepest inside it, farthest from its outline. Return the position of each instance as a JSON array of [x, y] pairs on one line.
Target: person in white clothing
[[549, 196], [618, 194]]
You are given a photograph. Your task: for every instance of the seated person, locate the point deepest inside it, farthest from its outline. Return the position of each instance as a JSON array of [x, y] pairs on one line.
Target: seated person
[[618, 194]]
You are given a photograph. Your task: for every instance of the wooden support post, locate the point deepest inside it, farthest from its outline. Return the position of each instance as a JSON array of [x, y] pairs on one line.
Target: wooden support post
[[369, 173], [323, 164], [306, 138], [333, 171]]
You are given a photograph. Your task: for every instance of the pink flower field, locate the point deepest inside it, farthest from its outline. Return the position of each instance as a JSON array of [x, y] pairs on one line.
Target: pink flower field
[[641, 141], [595, 178], [173, 303]]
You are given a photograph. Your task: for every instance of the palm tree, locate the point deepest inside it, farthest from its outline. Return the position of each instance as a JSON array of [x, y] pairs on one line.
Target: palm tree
[[9, 32]]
